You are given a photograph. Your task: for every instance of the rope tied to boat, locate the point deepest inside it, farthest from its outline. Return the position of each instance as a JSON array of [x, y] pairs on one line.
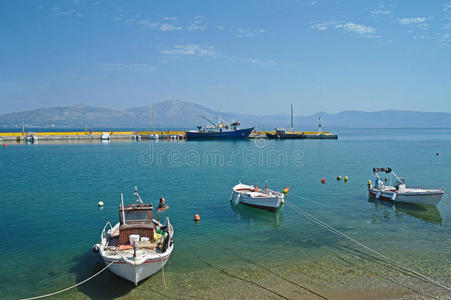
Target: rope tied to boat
[[71, 287], [337, 232]]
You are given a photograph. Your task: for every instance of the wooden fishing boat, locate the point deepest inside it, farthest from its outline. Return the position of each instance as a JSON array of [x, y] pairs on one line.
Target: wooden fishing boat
[[137, 246]]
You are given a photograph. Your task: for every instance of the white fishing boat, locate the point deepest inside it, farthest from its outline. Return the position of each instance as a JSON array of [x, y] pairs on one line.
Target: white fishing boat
[[105, 136], [251, 195], [138, 246], [399, 192]]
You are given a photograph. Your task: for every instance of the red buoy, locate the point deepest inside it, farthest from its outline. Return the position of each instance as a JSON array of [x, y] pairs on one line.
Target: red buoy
[[4, 145], [196, 218], [323, 181]]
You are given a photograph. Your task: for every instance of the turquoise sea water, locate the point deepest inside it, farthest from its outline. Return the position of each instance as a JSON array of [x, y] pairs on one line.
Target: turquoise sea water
[[49, 217]]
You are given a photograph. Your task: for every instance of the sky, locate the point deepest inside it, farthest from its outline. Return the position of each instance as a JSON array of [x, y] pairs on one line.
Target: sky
[[254, 57]]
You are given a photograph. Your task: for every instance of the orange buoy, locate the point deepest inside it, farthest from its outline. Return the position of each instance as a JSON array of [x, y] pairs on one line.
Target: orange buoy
[[323, 181], [196, 218], [286, 190], [4, 145]]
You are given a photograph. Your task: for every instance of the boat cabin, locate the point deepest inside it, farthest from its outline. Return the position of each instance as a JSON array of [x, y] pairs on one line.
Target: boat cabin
[[136, 219]]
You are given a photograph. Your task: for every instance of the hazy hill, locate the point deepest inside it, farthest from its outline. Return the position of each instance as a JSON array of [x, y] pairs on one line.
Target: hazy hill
[[178, 114]]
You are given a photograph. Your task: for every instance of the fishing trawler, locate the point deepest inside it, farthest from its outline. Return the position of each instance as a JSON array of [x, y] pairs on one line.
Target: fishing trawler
[[399, 192], [138, 246], [251, 195], [219, 130]]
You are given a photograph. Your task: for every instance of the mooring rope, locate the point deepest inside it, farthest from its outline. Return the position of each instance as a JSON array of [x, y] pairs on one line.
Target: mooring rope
[[71, 287], [162, 269], [336, 231]]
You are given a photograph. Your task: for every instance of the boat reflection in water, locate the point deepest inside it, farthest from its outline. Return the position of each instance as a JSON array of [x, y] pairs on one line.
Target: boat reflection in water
[[424, 212], [256, 216]]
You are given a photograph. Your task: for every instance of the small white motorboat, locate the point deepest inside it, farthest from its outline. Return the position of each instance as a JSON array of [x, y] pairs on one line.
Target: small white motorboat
[[105, 136], [260, 198], [138, 246], [399, 192]]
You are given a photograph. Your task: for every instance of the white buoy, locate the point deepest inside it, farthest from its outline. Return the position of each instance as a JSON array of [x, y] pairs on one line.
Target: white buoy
[[100, 203]]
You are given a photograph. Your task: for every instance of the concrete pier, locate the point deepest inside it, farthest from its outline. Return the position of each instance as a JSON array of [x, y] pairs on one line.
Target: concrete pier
[[19, 137]]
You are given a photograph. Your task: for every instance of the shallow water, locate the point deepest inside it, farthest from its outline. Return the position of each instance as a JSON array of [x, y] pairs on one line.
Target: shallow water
[[49, 218]]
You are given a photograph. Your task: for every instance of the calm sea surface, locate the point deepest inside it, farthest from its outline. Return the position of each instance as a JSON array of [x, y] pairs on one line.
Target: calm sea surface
[[49, 217]]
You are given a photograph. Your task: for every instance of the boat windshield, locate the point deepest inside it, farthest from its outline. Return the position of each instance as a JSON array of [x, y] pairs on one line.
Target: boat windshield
[[136, 215]]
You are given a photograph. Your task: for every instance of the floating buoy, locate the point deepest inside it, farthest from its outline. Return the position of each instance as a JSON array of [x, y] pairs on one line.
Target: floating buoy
[[100, 203], [339, 178], [369, 184], [437, 154], [4, 145], [96, 248], [323, 181], [346, 178], [286, 190], [196, 218]]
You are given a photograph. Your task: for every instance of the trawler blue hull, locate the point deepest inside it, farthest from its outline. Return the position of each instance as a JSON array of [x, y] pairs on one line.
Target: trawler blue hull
[[207, 135]]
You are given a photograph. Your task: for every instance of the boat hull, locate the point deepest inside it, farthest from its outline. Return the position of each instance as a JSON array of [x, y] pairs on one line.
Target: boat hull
[[286, 136], [430, 198], [210, 135], [269, 203], [136, 273]]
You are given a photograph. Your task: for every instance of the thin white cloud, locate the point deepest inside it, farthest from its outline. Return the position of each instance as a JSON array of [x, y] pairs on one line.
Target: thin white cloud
[[323, 26], [447, 6], [192, 49], [168, 27], [149, 24], [311, 3], [409, 21], [220, 28], [357, 30], [248, 32], [381, 12], [56, 12], [196, 26]]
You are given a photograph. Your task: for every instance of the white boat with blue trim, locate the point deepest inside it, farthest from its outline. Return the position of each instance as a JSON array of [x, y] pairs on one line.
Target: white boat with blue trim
[[399, 192], [138, 246]]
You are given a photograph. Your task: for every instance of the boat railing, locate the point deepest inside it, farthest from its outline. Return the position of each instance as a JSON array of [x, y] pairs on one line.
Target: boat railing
[[104, 232]]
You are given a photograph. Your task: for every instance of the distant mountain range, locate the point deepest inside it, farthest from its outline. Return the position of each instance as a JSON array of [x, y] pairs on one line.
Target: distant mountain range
[[179, 114]]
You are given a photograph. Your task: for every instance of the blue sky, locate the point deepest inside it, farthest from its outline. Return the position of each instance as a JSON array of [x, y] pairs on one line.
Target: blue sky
[[242, 56]]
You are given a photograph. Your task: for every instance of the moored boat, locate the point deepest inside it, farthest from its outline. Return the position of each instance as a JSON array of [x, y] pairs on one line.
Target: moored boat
[[260, 198], [399, 192], [138, 246], [281, 133], [219, 130], [284, 134]]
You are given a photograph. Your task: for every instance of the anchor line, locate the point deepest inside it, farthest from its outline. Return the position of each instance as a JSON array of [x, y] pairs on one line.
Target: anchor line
[[73, 286], [336, 231]]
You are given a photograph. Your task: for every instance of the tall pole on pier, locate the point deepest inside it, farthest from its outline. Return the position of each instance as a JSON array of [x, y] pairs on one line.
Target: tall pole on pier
[[152, 117], [292, 121]]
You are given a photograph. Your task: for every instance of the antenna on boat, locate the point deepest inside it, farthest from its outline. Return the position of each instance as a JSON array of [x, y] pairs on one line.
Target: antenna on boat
[[123, 209], [292, 121], [136, 194]]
